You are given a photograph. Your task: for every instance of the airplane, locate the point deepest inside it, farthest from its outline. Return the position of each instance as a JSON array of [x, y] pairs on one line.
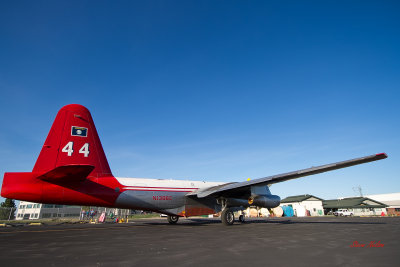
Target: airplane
[[72, 169]]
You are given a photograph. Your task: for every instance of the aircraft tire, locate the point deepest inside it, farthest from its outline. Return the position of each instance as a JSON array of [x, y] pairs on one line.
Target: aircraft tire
[[241, 218], [172, 219], [227, 217]]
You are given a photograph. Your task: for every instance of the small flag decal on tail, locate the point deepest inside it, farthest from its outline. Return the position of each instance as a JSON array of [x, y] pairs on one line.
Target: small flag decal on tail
[[79, 131]]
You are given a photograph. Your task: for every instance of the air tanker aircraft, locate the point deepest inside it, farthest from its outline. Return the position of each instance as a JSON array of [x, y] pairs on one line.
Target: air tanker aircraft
[[72, 169]]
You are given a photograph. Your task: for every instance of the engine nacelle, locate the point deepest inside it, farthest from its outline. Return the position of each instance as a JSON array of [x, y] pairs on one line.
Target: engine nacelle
[[268, 201]]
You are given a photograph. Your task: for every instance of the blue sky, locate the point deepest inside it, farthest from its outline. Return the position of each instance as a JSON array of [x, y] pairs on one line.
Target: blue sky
[[210, 90]]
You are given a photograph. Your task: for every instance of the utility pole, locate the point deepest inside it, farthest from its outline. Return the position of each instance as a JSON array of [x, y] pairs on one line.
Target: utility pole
[[358, 189], [9, 216]]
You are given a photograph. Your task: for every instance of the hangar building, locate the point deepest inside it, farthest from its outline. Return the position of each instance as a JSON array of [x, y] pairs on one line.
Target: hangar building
[[392, 200], [358, 205], [304, 205]]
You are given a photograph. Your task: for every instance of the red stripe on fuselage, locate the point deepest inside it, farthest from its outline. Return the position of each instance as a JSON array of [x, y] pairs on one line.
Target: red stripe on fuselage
[[163, 190], [158, 187]]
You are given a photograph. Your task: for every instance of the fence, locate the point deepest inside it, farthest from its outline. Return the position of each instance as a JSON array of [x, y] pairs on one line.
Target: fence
[[110, 214], [47, 211]]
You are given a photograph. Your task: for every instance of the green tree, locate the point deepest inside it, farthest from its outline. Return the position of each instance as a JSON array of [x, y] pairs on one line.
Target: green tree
[[7, 207]]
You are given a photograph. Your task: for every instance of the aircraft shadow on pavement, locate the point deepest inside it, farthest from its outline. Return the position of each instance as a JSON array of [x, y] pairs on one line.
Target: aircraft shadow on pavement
[[187, 222], [202, 222], [309, 222]]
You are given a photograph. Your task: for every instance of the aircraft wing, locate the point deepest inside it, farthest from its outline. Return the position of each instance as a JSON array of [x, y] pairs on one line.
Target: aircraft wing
[[232, 189]]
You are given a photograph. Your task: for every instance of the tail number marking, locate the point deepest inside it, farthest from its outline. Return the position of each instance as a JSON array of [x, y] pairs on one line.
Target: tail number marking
[[69, 149], [85, 150], [162, 197]]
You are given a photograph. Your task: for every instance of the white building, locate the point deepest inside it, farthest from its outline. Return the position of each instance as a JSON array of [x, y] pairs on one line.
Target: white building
[[304, 205], [33, 211]]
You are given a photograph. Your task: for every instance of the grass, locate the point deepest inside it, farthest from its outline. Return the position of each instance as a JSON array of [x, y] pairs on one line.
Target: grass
[[46, 221], [144, 216]]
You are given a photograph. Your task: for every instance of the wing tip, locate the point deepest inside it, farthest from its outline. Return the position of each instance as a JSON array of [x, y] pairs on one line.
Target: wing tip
[[382, 155]]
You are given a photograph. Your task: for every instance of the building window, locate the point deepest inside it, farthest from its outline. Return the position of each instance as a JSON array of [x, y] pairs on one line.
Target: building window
[[29, 206], [22, 206], [46, 215], [48, 206]]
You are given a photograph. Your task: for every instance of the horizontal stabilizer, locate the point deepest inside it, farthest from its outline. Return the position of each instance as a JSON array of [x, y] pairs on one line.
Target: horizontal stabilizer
[[68, 173]]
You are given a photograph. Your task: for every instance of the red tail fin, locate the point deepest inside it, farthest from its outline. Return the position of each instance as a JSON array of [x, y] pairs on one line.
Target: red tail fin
[[73, 140]]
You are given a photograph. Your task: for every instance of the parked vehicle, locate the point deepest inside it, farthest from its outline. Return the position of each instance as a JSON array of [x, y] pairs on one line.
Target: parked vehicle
[[343, 212]]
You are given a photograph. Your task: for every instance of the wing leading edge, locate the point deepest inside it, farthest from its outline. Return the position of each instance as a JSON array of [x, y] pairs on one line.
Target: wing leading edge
[[231, 187]]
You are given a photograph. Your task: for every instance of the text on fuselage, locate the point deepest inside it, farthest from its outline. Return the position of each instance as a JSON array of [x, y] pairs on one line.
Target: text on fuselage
[[162, 197]]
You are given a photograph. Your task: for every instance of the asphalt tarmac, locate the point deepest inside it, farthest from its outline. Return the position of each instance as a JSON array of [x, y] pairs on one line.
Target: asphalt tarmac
[[312, 241]]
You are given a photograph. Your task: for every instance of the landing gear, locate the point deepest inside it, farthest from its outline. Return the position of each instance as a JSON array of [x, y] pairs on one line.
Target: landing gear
[[227, 216], [241, 218], [172, 219]]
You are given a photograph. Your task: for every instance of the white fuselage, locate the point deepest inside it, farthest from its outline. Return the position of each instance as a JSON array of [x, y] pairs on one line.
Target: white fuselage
[[160, 195]]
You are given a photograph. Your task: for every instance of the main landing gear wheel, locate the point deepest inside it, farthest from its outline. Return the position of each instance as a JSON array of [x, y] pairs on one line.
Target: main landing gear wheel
[[172, 219], [227, 217], [241, 218]]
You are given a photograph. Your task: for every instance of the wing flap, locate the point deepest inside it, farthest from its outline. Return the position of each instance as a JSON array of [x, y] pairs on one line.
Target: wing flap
[[286, 176]]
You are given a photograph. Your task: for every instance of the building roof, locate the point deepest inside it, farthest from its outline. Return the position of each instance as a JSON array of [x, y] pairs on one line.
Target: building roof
[[392, 199], [352, 202], [300, 198], [383, 197]]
